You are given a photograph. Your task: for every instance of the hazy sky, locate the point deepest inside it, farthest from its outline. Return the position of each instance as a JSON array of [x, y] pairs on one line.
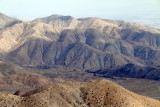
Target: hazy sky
[[109, 9]]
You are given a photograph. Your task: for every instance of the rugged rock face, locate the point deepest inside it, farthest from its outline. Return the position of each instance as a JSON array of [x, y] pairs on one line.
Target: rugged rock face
[[97, 93], [86, 43]]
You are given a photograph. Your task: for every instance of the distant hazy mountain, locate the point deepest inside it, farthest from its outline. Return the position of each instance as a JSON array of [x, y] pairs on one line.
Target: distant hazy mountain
[[86, 43]]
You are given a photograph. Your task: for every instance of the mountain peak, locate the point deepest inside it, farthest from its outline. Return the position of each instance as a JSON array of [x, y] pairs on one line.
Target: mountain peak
[[1, 14], [57, 16], [4, 17], [54, 17], [7, 18], [58, 20], [6, 21]]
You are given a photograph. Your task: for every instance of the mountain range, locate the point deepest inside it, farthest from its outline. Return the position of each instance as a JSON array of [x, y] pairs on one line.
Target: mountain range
[[42, 60], [91, 44]]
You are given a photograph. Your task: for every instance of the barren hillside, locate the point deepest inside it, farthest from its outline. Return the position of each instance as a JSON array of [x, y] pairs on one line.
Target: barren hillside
[[97, 93]]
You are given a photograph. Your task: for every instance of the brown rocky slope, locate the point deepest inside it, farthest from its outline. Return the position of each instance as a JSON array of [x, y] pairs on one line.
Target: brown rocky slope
[[13, 77], [96, 93]]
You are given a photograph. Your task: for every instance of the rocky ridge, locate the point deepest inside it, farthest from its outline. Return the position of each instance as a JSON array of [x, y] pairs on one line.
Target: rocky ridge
[[97, 93]]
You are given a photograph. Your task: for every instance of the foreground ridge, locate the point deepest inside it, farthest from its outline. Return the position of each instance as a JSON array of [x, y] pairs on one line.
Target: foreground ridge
[[96, 93]]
